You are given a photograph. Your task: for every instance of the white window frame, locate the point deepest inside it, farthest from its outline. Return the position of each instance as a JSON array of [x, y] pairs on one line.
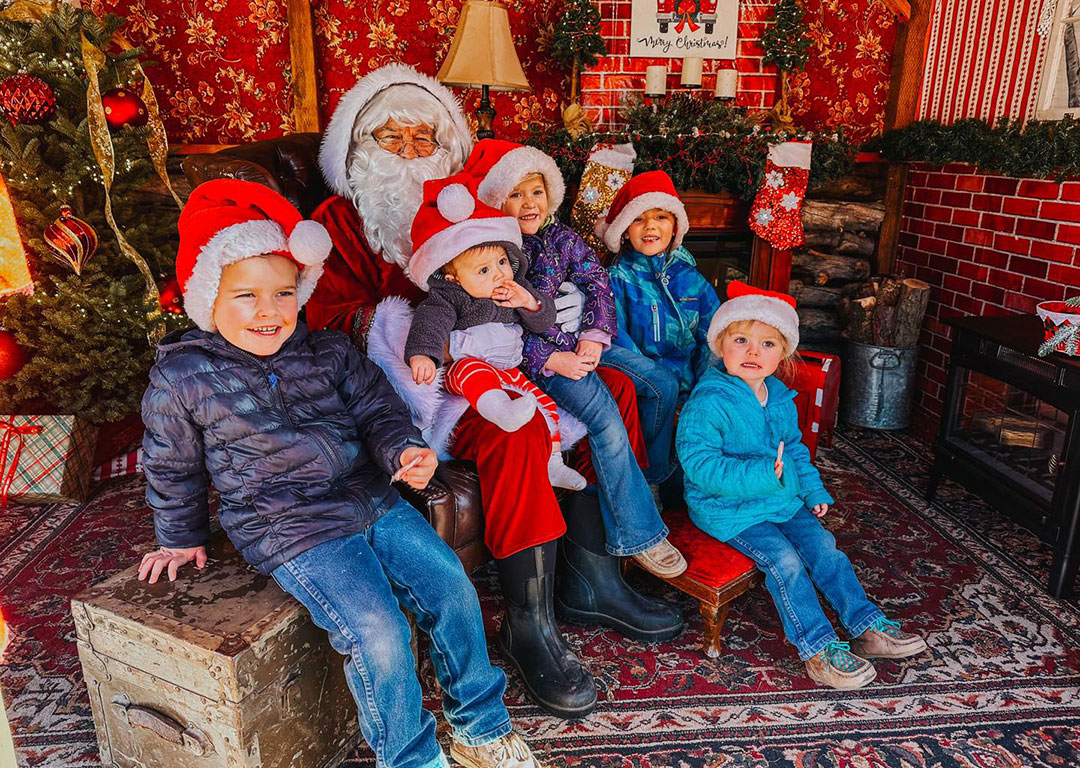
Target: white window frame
[[1045, 108]]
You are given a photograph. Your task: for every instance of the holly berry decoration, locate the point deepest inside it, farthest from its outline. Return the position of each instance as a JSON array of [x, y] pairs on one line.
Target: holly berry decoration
[[26, 100], [123, 108], [71, 240], [12, 356], [172, 298]]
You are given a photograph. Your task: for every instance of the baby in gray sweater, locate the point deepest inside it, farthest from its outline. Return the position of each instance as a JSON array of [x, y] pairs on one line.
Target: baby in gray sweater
[[480, 301]]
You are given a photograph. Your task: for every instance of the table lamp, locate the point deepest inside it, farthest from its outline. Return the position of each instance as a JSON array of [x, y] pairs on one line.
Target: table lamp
[[482, 56]]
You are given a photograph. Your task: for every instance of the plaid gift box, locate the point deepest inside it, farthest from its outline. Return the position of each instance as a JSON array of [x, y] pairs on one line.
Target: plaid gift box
[[45, 458]]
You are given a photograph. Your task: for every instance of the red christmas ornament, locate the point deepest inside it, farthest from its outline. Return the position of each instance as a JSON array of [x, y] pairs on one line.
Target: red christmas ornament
[[123, 108], [71, 240], [12, 356], [172, 298], [26, 99]]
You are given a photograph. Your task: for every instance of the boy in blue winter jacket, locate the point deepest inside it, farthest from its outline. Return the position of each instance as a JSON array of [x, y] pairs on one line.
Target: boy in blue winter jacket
[[301, 436], [736, 434], [663, 305]]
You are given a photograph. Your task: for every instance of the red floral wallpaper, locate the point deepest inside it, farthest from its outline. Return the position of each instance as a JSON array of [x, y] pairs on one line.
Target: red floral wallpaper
[[356, 36], [846, 81], [224, 64]]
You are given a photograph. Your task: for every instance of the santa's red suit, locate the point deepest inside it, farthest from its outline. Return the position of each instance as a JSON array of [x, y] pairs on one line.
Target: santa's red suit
[[520, 509]]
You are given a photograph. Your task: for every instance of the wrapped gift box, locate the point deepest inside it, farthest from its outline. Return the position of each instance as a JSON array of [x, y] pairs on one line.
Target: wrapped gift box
[[45, 458], [817, 382]]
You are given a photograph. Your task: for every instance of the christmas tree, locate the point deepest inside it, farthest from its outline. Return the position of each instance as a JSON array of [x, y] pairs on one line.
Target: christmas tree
[[89, 325], [788, 48], [576, 44]]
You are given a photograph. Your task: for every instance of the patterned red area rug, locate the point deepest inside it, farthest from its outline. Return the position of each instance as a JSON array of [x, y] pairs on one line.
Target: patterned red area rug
[[999, 687]]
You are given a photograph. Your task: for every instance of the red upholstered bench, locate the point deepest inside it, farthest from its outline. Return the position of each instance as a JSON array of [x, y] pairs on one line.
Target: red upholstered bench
[[715, 576]]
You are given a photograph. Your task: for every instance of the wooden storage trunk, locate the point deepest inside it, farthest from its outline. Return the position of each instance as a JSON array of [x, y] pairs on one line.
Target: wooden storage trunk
[[219, 668]]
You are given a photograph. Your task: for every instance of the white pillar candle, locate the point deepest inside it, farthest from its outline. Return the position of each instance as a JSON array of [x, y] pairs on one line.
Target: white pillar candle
[[656, 81], [691, 71], [726, 82]]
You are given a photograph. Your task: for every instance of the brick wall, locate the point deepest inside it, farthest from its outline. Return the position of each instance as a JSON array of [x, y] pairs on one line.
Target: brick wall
[[987, 245], [604, 87]]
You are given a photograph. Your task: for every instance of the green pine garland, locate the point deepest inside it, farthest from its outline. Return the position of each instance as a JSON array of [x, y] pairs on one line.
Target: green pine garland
[[1010, 148], [700, 144], [86, 335]]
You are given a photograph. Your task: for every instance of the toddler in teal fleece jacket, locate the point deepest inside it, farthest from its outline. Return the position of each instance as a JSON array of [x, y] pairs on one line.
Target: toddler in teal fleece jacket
[[750, 482]]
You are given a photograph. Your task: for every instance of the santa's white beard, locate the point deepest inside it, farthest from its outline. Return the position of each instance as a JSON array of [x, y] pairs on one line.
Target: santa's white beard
[[387, 191]]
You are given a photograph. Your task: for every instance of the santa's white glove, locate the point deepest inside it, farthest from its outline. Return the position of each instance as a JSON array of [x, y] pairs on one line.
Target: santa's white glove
[[568, 307]]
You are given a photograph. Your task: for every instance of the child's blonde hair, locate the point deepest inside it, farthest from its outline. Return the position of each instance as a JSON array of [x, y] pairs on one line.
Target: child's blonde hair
[[788, 363]]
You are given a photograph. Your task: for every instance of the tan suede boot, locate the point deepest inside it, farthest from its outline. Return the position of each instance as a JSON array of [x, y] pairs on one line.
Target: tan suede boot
[[837, 667], [885, 640], [508, 752]]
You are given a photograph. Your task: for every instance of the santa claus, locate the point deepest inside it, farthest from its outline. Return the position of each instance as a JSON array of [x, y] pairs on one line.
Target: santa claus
[[392, 132]]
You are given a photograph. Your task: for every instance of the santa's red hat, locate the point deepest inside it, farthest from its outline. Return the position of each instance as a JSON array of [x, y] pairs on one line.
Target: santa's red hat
[[499, 166], [745, 302], [451, 220], [227, 220], [648, 190]]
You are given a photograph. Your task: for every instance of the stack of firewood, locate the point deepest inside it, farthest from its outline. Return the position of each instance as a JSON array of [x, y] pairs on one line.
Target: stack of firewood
[[886, 311], [841, 237]]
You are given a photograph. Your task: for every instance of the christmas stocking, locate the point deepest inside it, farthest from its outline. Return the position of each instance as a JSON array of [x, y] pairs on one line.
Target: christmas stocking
[[776, 215], [607, 169]]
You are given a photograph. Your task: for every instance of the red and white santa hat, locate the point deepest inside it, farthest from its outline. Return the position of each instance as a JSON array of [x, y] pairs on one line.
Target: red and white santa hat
[[451, 220], [227, 220], [653, 189], [499, 166], [745, 302]]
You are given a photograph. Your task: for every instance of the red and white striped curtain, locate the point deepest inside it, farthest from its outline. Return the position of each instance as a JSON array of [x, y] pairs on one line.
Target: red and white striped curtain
[[984, 58]]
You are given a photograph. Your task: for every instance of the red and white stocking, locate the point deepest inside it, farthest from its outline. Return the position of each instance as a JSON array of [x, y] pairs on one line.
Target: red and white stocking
[[776, 215]]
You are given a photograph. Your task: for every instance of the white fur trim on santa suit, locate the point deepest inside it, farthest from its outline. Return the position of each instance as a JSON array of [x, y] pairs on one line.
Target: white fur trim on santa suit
[[771, 311], [242, 241], [386, 348], [612, 233], [514, 166], [791, 154], [447, 243], [620, 156], [337, 139]]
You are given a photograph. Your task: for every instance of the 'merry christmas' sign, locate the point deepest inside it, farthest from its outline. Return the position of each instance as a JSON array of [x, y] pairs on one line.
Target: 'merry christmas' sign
[[677, 28]]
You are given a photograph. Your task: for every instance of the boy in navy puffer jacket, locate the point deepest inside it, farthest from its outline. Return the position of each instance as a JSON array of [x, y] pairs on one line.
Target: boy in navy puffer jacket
[[301, 436]]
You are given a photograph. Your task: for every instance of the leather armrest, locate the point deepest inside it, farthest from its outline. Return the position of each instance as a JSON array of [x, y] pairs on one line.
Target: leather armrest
[[451, 504]]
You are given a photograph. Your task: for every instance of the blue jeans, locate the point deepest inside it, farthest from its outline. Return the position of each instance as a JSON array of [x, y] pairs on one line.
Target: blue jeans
[[631, 521], [353, 586], [784, 552], [657, 395]]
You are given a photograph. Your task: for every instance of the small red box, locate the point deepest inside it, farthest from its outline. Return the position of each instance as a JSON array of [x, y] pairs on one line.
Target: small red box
[[817, 382]]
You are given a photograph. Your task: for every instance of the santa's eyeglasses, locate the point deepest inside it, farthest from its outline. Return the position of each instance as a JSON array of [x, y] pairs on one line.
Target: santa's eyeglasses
[[422, 146]]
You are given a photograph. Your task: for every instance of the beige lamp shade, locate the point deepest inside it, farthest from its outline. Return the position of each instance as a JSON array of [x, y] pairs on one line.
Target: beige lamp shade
[[483, 50]]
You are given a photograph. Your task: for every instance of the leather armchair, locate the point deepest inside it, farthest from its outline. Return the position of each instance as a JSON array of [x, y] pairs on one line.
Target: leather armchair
[[289, 165]]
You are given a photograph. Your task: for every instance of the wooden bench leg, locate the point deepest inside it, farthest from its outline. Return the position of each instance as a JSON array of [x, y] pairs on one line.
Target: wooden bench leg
[[714, 616]]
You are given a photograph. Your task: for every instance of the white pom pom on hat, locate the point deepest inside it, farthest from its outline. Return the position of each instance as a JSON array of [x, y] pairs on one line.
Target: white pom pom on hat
[[456, 203]]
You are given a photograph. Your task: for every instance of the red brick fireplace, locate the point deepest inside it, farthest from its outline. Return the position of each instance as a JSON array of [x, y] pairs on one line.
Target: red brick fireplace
[[988, 245]]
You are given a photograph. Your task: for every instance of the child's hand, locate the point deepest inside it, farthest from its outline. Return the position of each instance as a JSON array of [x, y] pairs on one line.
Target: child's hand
[[570, 365], [417, 474], [153, 563], [778, 465], [820, 510], [423, 369], [590, 350], [512, 294]]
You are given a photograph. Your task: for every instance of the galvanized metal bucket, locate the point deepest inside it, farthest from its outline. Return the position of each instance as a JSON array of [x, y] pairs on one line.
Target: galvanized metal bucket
[[876, 385]]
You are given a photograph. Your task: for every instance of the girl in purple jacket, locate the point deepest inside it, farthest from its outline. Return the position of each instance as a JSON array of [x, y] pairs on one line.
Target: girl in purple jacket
[[526, 184]]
